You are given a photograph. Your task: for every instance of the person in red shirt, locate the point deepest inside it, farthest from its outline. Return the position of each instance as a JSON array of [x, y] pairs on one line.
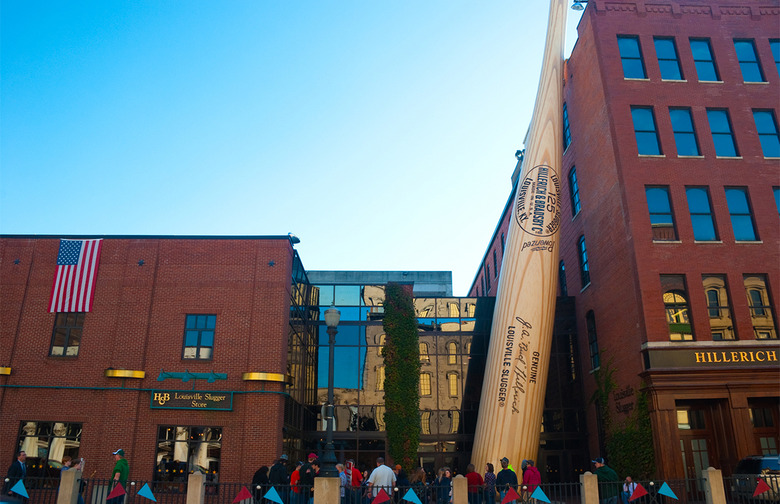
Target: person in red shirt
[[475, 483], [357, 479], [294, 477]]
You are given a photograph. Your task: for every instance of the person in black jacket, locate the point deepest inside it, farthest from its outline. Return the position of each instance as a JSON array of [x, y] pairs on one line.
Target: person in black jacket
[[260, 483], [16, 473], [505, 479], [279, 478]]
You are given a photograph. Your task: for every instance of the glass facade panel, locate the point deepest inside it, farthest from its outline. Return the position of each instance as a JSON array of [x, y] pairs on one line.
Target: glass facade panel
[[45, 443], [182, 450]]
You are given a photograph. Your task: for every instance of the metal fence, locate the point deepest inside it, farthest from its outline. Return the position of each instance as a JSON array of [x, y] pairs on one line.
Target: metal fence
[[686, 491], [740, 489]]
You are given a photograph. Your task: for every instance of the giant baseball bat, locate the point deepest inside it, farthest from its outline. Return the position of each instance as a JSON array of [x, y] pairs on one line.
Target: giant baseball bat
[[510, 410]]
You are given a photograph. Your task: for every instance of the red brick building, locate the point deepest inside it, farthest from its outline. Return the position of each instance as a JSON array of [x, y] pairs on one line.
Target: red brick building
[[182, 360], [671, 240]]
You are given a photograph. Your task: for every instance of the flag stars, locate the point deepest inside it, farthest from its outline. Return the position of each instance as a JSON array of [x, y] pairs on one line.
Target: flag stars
[[17, 261], [140, 262]]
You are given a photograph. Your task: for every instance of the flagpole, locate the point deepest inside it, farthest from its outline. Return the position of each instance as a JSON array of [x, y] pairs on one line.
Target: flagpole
[[510, 413]]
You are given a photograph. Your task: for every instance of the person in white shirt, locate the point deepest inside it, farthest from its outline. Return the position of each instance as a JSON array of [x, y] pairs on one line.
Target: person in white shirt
[[628, 489], [381, 478]]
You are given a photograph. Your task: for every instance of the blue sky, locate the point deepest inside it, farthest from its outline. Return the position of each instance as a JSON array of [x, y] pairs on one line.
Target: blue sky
[[381, 133]]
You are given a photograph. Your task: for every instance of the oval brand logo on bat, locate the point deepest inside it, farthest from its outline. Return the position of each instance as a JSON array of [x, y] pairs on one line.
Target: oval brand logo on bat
[[537, 208]]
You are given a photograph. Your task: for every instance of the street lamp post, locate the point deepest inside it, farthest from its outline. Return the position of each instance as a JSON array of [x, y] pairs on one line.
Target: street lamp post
[[328, 467]]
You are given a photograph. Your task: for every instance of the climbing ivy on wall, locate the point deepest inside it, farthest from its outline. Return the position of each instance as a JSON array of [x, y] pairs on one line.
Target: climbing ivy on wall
[[402, 377]]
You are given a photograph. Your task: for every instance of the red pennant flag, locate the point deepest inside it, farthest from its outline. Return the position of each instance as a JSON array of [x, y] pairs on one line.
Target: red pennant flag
[[761, 487], [510, 496], [242, 495], [381, 497], [117, 491], [639, 491]]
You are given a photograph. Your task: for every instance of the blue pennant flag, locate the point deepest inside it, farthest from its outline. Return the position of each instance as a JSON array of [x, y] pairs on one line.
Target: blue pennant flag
[[273, 496], [145, 491], [540, 495], [412, 497], [665, 490], [19, 489]]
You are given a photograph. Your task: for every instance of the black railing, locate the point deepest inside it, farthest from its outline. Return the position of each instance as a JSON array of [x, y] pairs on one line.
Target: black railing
[[740, 489]]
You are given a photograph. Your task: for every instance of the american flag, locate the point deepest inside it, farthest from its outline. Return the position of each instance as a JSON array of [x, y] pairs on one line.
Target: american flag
[[74, 281]]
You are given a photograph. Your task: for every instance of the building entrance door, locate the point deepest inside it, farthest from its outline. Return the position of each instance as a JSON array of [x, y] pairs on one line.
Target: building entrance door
[[697, 444]]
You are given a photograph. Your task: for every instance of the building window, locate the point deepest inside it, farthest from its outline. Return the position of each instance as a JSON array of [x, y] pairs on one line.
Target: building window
[[425, 422], [593, 342], [741, 216], [684, 134], [562, 279], [631, 57], [704, 61], [380, 378], [566, 129], [424, 357], [766, 126], [661, 218], [676, 305], [701, 214], [487, 276], [452, 353], [66, 337], [199, 336], [721, 325], [454, 421], [760, 305], [774, 44], [722, 133], [425, 384], [777, 198], [646, 134], [748, 61], [502, 243], [452, 384], [380, 341], [495, 262], [183, 450], [583, 257], [46, 442], [574, 191], [668, 61]]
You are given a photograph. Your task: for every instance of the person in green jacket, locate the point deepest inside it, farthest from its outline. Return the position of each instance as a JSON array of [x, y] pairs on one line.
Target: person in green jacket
[[609, 482], [119, 475]]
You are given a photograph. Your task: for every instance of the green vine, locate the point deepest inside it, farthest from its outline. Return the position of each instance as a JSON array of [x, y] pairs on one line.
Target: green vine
[[402, 377], [629, 444]]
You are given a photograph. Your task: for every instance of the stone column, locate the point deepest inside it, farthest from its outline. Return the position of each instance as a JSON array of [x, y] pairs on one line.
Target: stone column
[[69, 487], [196, 488], [713, 486], [327, 490], [590, 488]]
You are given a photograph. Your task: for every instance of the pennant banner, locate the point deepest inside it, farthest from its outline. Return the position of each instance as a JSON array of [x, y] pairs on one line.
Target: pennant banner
[[146, 492], [381, 497], [540, 495], [638, 492], [412, 497], [19, 489], [117, 491], [242, 495], [273, 496], [665, 490]]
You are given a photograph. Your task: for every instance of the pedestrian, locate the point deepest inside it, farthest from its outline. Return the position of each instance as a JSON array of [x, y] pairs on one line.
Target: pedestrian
[[505, 479], [475, 485], [260, 482], [443, 485], [356, 478], [279, 478], [609, 483], [531, 476], [490, 484], [16, 473], [306, 481], [401, 479], [119, 475], [382, 477], [344, 484], [67, 463], [295, 490], [417, 483], [628, 489]]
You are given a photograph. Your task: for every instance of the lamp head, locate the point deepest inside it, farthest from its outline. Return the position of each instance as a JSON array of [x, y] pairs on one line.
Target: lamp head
[[332, 316]]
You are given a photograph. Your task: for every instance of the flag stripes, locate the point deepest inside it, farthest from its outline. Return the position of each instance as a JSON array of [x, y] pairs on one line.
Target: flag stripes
[[74, 280]]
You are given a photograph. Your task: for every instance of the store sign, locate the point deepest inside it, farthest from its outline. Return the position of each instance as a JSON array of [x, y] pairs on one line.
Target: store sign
[[712, 358], [192, 400]]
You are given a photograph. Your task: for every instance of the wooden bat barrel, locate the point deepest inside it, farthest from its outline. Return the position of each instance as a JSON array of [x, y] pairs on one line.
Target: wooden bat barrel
[[510, 411]]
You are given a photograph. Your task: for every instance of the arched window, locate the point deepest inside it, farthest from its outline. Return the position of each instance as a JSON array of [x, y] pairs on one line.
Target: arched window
[[676, 306], [452, 353], [381, 342], [574, 191], [454, 421], [425, 422], [452, 384], [424, 352]]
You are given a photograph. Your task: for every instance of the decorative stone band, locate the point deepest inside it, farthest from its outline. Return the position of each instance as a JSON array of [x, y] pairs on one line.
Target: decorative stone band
[[125, 373], [269, 377], [5, 370]]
